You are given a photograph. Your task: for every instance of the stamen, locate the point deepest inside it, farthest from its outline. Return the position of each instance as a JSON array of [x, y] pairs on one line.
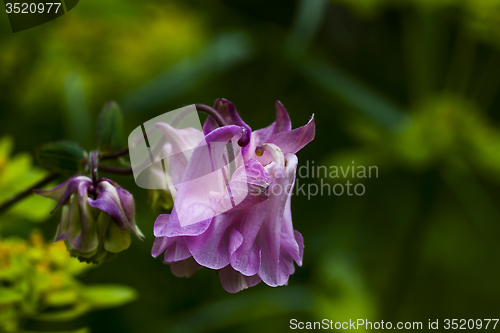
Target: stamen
[[259, 151], [276, 155]]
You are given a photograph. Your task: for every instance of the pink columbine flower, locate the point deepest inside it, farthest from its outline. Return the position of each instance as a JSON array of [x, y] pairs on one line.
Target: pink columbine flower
[[243, 229]]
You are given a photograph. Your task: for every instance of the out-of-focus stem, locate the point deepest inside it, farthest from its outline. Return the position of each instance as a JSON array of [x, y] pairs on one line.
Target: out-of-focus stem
[[117, 171], [117, 154], [25, 193]]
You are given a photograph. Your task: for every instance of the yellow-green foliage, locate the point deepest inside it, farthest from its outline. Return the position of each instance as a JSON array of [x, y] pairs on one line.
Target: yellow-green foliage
[[38, 280]]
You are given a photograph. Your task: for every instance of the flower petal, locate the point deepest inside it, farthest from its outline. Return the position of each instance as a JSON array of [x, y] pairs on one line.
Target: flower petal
[[182, 142], [269, 237], [233, 281], [300, 241], [205, 174], [246, 259], [288, 235], [160, 245], [248, 187], [185, 268], [82, 232], [235, 240], [177, 251], [211, 248], [62, 192], [168, 225], [228, 113], [209, 125], [109, 200], [283, 122], [63, 226], [258, 137], [127, 202], [117, 239], [294, 140]]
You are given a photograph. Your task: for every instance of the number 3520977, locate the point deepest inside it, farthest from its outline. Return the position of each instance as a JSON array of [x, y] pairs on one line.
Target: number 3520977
[[32, 8]]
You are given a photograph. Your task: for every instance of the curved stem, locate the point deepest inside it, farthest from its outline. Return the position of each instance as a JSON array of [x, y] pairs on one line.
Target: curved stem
[[21, 195], [211, 112], [117, 154], [117, 171]]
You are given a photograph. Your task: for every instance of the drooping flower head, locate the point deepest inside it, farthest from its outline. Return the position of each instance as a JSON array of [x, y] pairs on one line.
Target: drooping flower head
[[232, 208], [96, 221]]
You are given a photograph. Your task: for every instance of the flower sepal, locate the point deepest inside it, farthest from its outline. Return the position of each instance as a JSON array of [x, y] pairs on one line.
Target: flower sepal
[[96, 221]]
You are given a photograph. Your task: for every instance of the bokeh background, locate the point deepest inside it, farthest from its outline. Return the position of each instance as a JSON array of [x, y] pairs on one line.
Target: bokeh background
[[410, 86]]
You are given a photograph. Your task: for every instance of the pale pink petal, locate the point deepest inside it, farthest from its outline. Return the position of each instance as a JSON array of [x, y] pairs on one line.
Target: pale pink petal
[[288, 236], [211, 249], [160, 245], [233, 281], [177, 251], [205, 174], [167, 225], [185, 268], [269, 237]]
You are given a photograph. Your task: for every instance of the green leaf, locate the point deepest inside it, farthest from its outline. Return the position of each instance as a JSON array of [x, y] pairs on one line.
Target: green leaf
[[108, 296], [110, 128], [62, 156], [18, 173], [10, 296], [64, 297]]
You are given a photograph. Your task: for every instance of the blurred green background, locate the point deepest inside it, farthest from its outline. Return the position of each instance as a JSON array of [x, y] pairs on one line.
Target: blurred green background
[[410, 86]]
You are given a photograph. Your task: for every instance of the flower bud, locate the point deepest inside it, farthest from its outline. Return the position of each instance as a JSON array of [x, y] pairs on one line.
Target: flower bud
[[96, 221]]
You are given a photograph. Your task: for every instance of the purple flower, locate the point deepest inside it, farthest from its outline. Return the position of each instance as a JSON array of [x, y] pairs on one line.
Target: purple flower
[[244, 228], [96, 221]]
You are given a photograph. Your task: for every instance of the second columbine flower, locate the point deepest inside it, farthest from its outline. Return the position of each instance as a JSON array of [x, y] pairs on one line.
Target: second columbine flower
[[96, 220]]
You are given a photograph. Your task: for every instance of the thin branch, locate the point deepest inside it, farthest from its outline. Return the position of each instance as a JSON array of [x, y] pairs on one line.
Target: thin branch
[[25, 193], [117, 154], [117, 171], [211, 112]]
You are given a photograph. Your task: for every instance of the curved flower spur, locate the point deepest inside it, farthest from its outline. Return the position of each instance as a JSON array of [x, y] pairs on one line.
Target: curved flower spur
[[231, 190]]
